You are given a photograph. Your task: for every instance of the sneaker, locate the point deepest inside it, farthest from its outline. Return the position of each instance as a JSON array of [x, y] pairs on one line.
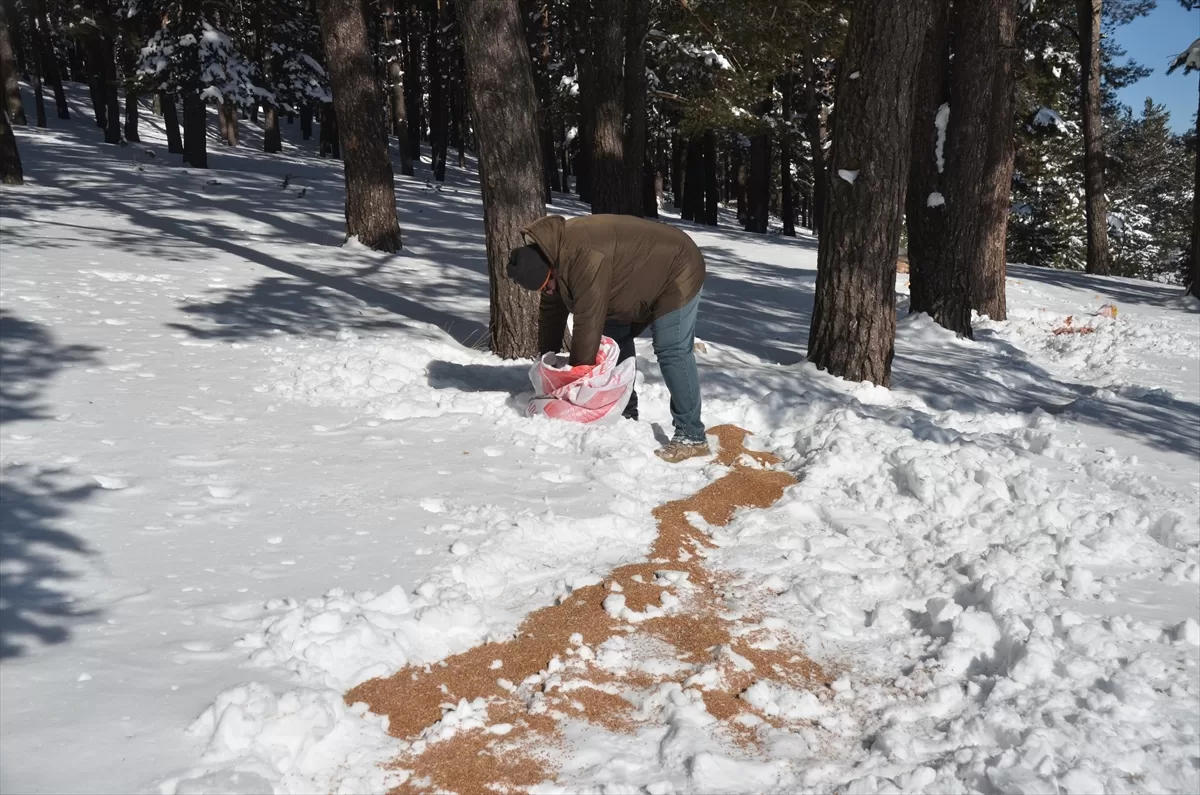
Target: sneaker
[[681, 450]]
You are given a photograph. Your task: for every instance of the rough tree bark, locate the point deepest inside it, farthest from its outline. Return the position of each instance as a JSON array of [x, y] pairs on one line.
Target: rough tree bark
[[693, 181], [1095, 202], [393, 53], [227, 115], [677, 170], [504, 107], [264, 21], [10, 159], [370, 187], [988, 278], [938, 284], [637, 25], [815, 134], [8, 70], [35, 69], [607, 109], [306, 122], [171, 122], [787, 197], [854, 316], [195, 130]]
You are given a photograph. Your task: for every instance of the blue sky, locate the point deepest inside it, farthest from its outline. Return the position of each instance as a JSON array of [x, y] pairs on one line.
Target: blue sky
[[1151, 41]]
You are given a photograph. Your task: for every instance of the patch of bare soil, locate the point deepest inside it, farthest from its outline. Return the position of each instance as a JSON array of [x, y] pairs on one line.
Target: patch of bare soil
[[548, 672]]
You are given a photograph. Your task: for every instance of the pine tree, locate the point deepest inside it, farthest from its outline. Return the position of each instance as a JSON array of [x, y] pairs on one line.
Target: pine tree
[[854, 317], [504, 107], [370, 188], [1189, 59], [8, 69], [11, 172]]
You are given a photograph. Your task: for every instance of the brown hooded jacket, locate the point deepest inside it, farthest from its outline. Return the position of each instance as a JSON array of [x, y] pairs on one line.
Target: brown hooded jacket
[[611, 267]]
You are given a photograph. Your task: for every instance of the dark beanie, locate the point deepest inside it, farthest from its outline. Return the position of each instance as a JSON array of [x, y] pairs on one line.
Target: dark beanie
[[527, 267]]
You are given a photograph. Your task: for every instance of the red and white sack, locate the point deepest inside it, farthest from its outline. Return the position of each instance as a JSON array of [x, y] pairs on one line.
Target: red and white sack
[[584, 393]]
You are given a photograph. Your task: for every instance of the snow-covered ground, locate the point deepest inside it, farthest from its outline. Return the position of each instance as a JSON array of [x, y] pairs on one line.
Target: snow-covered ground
[[246, 468]]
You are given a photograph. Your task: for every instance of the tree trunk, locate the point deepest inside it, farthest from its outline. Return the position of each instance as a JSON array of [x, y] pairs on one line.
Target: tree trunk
[[8, 71], [677, 173], [637, 25], [415, 110], [131, 116], [693, 181], [936, 287], [651, 180], [712, 186], [370, 188], [1095, 202], [227, 113], [393, 53], [272, 139], [1194, 278], [607, 109], [306, 122], [787, 198], [195, 132], [439, 117], [171, 122], [112, 100], [759, 187], [854, 316], [330, 143], [10, 159], [737, 178], [814, 133], [35, 62], [988, 278], [504, 107], [45, 58]]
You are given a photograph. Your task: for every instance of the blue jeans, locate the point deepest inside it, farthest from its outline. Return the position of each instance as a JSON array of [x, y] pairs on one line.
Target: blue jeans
[[675, 346]]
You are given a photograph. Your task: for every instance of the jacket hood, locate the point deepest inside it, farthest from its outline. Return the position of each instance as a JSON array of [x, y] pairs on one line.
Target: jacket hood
[[547, 234]]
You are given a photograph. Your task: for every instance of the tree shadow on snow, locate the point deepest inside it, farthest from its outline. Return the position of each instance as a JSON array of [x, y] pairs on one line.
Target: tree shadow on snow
[[35, 609], [34, 553], [510, 378]]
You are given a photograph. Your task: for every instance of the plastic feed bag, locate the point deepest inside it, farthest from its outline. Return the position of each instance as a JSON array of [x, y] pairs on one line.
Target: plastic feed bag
[[584, 393]]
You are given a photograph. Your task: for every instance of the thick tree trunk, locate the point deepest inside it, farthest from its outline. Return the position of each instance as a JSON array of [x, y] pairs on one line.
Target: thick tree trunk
[[712, 185], [11, 172], [112, 100], [815, 134], [195, 132], [787, 197], [637, 25], [938, 284], [504, 107], [989, 277], [439, 116], [393, 53], [854, 315], [8, 70], [370, 188], [171, 122], [1095, 202], [608, 109]]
